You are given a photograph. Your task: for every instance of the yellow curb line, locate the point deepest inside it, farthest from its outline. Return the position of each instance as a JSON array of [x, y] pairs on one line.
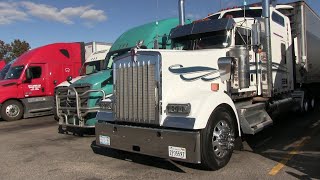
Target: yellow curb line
[[289, 156]]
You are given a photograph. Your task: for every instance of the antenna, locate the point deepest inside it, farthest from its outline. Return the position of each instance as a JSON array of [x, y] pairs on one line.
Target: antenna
[[156, 44], [244, 8]]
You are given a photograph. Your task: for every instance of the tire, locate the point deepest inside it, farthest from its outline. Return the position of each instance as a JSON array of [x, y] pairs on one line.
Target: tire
[[12, 110], [213, 154]]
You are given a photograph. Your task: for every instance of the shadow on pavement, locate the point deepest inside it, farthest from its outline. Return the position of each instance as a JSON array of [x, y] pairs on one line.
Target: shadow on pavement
[[295, 137], [136, 158]]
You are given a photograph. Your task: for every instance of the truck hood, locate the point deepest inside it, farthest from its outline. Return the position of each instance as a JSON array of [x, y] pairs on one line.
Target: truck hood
[[6, 83], [67, 84], [95, 79]]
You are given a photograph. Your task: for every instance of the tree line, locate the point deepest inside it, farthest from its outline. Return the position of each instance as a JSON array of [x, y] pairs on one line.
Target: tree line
[[10, 51]]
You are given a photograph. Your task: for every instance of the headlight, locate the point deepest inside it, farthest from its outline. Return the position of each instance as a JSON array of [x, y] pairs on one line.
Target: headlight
[[106, 104], [179, 108]]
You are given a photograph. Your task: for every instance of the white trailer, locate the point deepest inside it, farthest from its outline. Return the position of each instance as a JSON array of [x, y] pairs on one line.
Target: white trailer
[[94, 46], [227, 75]]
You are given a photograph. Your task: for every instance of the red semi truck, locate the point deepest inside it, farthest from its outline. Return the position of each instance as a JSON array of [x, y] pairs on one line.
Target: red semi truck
[[27, 89], [2, 64]]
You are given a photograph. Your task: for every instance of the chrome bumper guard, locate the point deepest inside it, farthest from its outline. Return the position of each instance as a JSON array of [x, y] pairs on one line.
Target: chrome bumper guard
[[149, 141], [78, 112]]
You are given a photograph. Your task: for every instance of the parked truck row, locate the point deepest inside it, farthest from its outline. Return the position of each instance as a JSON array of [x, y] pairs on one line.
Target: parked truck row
[[228, 74], [173, 88]]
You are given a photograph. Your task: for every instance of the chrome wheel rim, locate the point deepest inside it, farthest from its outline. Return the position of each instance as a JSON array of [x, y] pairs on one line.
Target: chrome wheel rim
[[306, 106], [312, 103], [222, 139], [12, 110]]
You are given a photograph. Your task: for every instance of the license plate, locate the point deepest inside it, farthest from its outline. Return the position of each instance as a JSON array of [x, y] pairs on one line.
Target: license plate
[[177, 152], [105, 140]]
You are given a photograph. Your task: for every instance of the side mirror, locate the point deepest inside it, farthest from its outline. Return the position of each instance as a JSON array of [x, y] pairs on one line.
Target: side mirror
[[69, 79], [256, 36], [28, 76], [226, 66]]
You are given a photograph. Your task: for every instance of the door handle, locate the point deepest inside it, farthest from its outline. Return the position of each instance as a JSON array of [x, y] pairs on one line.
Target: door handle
[[42, 89]]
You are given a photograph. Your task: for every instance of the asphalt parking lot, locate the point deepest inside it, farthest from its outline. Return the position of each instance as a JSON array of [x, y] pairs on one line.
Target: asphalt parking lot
[[33, 149]]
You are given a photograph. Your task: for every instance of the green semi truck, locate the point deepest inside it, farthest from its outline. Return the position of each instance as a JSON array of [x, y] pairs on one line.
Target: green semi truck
[[77, 105]]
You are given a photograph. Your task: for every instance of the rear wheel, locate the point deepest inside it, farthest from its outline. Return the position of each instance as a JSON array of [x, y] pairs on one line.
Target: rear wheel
[[12, 110], [217, 140]]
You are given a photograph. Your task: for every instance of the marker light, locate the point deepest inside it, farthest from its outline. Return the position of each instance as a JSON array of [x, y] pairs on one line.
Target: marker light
[[214, 87]]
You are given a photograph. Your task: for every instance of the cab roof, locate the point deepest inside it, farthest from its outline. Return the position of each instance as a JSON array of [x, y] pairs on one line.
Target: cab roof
[[147, 32], [55, 53]]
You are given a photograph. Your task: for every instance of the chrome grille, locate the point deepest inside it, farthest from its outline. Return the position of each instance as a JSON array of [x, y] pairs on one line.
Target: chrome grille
[[71, 101], [136, 87]]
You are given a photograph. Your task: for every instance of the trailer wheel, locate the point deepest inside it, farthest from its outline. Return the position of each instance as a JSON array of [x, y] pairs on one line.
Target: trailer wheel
[[11, 110], [217, 140]]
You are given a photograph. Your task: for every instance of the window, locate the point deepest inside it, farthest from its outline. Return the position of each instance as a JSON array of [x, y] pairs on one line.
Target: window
[[35, 72], [283, 54], [241, 13], [243, 36], [216, 16], [91, 67], [65, 53], [14, 72], [278, 19], [216, 39]]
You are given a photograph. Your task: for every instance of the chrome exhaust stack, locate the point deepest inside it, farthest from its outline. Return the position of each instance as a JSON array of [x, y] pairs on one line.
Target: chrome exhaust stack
[[266, 15], [181, 12]]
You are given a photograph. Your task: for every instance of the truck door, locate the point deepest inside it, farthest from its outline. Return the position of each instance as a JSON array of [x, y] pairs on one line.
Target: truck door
[[35, 86]]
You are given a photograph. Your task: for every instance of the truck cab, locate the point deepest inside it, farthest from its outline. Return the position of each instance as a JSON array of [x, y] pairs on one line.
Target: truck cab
[[91, 90], [27, 88], [93, 64]]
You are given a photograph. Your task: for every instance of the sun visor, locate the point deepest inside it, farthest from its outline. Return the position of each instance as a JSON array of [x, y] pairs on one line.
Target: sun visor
[[202, 27]]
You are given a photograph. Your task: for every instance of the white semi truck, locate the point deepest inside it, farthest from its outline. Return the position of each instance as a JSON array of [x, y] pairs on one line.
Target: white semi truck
[[93, 63], [230, 74]]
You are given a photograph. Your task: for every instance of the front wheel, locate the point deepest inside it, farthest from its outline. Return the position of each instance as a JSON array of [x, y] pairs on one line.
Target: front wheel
[[11, 110], [217, 140]]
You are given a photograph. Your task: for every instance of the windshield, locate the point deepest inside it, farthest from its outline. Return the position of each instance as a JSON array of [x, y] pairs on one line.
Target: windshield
[[4, 71], [241, 13], [91, 67], [112, 55], [218, 39], [14, 72]]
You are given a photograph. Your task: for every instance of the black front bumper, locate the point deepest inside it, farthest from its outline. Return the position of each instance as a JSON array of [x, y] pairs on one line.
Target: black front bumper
[[150, 141]]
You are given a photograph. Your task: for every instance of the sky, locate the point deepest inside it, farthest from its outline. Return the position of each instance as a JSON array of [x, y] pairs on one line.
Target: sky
[[41, 22]]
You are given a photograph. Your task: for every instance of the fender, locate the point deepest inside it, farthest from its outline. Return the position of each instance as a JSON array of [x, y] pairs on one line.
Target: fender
[[207, 103]]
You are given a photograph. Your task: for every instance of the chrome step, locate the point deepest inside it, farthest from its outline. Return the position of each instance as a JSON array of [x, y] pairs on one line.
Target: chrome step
[[253, 118]]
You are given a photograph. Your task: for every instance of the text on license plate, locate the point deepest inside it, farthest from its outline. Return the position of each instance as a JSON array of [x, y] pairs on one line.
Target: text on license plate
[[105, 140], [177, 152]]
